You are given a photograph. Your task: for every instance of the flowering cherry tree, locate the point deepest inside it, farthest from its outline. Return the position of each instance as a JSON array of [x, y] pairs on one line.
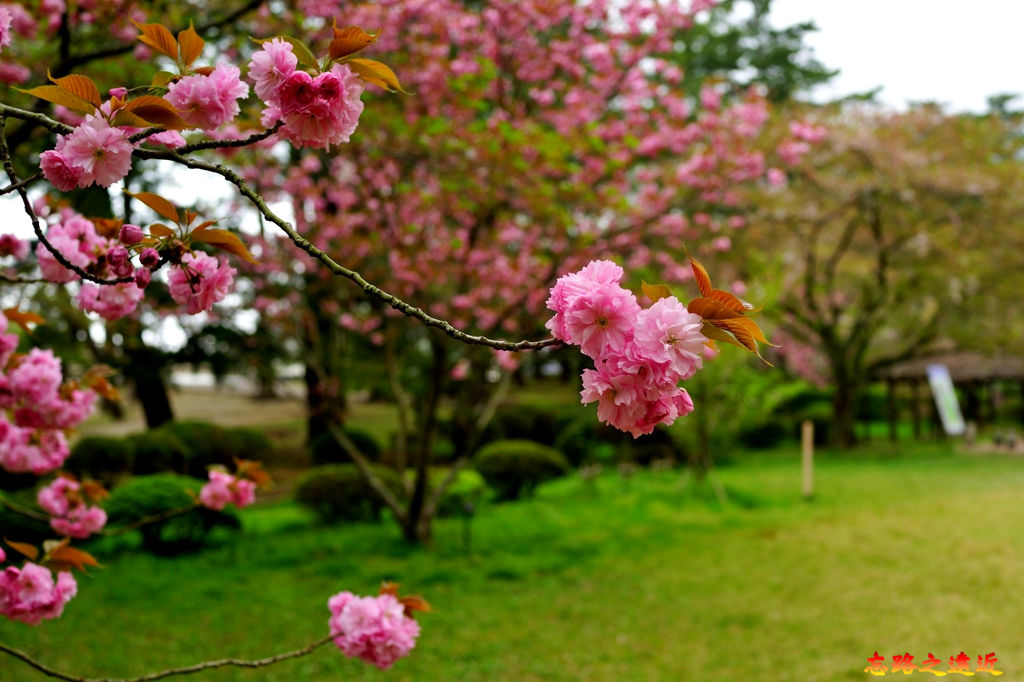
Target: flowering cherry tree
[[541, 136]]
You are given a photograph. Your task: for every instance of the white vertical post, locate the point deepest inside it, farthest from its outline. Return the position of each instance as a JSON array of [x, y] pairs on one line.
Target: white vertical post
[[807, 457]]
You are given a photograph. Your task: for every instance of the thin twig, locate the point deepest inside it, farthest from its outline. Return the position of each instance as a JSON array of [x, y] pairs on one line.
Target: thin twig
[[24, 183], [23, 511], [224, 144], [187, 670], [338, 269], [145, 521]]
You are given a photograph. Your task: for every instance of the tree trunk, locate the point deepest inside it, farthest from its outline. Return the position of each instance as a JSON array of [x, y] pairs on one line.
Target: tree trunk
[[146, 368], [843, 414]]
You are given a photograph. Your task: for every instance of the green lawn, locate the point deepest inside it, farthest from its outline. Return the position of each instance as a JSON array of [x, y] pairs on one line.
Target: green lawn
[[917, 551]]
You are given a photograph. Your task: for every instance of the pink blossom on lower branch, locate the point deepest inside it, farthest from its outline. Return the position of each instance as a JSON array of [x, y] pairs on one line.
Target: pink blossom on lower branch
[[64, 500], [93, 152], [224, 489], [377, 630], [29, 593], [199, 281], [208, 101]]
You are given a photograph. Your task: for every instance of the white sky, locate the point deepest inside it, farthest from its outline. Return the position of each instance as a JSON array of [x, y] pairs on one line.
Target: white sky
[[957, 53]]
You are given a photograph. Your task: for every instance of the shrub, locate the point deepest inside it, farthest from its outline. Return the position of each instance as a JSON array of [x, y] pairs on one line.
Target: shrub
[[207, 444], [146, 496], [586, 441], [326, 450], [157, 451], [514, 467], [338, 492], [764, 435], [101, 457], [468, 487], [532, 422], [20, 528]]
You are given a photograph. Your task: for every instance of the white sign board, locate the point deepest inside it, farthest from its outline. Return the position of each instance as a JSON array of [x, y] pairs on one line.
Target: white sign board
[[945, 400]]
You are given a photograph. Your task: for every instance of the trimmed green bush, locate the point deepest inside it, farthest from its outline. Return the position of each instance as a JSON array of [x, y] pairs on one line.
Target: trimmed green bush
[[468, 487], [101, 457], [146, 496], [516, 467], [532, 422], [763, 436], [587, 441], [326, 450], [338, 492], [157, 451], [19, 528], [207, 444]]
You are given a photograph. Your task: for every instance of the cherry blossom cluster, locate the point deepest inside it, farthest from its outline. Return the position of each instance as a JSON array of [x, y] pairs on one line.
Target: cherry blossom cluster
[[199, 281], [376, 630], [316, 111], [223, 489], [36, 407], [65, 500], [31, 595], [640, 354]]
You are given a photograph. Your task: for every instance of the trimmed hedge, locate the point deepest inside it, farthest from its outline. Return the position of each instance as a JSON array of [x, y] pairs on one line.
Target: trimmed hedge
[[338, 492], [513, 468], [326, 450], [146, 496], [101, 457], [468, 488]]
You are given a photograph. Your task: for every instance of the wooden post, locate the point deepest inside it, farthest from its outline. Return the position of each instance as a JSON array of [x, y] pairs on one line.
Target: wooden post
[[807, 457]]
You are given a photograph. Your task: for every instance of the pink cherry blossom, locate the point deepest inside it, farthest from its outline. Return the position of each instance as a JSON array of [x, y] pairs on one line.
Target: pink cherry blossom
[[602, 318], [12, 246], [200, 281], [270, 67], [224, 489], [373, 629], [102, 154], [5, 26], [317, 112], [110, 301], [668, 332], [72, 517], [208, 101], [29, 594]]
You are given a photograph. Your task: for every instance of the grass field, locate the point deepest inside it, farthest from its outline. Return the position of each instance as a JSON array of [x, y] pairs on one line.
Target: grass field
[[649, 578]]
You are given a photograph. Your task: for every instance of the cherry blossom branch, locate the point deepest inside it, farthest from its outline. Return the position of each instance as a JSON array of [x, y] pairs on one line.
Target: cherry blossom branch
[[5, 156], [338, 269], [170, 672], [24, 183], [146, 520], [23, 511], [224, 144]]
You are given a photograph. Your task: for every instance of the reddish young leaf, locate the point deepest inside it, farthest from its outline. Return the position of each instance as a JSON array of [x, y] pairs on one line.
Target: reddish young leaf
[[728, 300], [225, 241], [127, 118], [80, 86], [23, 548], [349, 40], [376, 73], [66, 557], [190, 45], [162, 206], [160, 230], [57, 95], [415, 602], [107, 227], [253, 470], [701, 276], [204, 70], [159, 38], [711, 309], [106, 389], [157, 112], [94, 491], [655, 292], [203, 225], [23, 319]]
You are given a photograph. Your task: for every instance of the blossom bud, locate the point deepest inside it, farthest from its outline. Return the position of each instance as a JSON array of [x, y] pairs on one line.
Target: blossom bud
[[120, 262], [119, 93], [142, 278], [131, 234], [149, 257]]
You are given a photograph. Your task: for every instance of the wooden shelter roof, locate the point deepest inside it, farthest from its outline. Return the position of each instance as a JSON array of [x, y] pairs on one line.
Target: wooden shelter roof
[[964, 367]]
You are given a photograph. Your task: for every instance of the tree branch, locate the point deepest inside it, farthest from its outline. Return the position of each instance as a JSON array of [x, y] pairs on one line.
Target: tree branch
[[170, 672]]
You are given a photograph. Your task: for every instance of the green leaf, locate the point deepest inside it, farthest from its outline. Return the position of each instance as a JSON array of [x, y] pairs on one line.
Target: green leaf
[[302, 52]]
